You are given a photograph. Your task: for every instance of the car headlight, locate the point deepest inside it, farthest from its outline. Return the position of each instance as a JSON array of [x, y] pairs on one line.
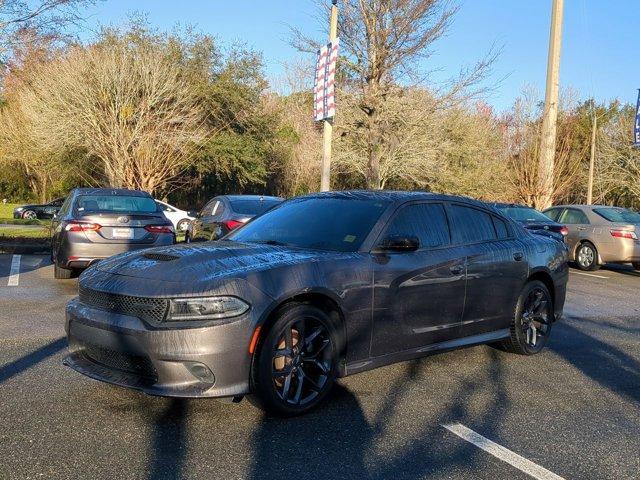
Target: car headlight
[[18, 209], [206, 308]]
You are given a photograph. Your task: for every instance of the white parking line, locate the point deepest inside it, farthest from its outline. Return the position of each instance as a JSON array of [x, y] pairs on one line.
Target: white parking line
[[590, 274], [14, 274], [504, 454]]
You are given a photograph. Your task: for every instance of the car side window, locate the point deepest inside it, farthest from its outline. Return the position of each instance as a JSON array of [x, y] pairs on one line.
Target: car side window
[[501, 228], [426, 221], [65, 207], [553, 213], [218, 209], [471, 225], [573, 216]]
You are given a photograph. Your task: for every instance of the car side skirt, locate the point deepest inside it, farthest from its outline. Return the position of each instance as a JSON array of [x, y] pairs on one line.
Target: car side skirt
[[371, 363]]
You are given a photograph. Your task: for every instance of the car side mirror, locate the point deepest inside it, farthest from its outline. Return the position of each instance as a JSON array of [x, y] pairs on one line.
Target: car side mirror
[[399, 243]]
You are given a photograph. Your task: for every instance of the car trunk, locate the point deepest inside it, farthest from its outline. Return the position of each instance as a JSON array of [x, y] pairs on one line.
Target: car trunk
[[119, 228]]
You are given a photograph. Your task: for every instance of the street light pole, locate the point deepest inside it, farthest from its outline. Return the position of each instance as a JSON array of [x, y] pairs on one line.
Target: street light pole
[[327, 131], [546, 162]]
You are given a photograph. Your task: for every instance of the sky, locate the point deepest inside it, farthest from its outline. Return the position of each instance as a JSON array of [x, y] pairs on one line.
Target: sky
[[599, 49]]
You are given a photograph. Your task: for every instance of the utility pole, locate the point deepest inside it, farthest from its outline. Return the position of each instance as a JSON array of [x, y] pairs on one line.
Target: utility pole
[[548, 138], [327, 132], [592, 159]]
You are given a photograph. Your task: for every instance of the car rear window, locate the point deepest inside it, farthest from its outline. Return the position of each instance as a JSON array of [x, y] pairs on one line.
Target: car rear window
[[335, 224], [115, 203], [252, 207], [523, 214], [618, 215]]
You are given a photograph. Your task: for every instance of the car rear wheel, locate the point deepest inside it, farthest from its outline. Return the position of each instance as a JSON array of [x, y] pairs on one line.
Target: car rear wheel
[[183, 225], [29, 215], [62, 273], [295, 366], [587, 257], [533, 318], [636, 265]]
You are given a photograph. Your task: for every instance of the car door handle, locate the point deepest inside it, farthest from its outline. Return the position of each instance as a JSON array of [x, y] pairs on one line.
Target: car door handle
[[518, 256], [457, 269], [582, 228]]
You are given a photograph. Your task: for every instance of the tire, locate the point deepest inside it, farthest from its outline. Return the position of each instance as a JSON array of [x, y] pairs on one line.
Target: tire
[[636, 265], [587, 257], [309, 371], [29, 215], [532, 320], [182, 225], [62, 273], [187, 239]]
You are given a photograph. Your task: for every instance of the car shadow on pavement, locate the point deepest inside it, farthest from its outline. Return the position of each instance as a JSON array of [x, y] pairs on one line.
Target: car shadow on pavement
[[28, 263], [24, 363], [609, 366], [340, 441], [169, 441]]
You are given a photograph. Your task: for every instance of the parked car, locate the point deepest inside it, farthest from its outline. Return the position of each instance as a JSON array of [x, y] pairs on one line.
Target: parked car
[[45, 211], [224, 213], [96, 223], [180, 218], [533, 220], [319, 287], [599, 234]]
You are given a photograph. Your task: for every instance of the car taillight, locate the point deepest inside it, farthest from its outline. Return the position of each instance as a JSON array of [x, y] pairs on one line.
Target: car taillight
[[624, 234], [159, 228], [564, 230], [82, 227], [231, 224]]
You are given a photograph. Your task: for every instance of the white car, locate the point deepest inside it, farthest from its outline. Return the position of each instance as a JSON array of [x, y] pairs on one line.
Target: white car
[[180, 218]]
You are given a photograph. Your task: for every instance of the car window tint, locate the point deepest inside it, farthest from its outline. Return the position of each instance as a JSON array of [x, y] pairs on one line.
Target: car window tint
[[618, 215], [208, 208], [218, 209], [252, 207], [115, 203], [573, 216], [65, 207], [471, 225], [426, 221], [501, 228], [553, 213], [336, 224]]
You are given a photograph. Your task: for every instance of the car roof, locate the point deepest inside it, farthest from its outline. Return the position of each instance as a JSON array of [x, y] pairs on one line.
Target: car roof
[[112, 191], [582, 207], [250, 197], [512, 205], [395, 196]]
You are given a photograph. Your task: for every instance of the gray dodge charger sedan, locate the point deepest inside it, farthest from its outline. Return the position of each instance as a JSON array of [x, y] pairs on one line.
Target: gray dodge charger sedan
[[320, 287]]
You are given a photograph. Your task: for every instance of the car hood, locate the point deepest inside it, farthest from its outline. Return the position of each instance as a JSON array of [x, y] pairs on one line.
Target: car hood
[[191, 263]]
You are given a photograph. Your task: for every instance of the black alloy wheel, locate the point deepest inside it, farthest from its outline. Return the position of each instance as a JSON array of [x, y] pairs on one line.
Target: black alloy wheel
[[533, 320], [296, 364]]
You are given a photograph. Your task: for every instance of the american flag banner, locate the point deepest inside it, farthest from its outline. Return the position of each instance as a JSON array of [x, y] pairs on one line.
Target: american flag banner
[[324, 88]]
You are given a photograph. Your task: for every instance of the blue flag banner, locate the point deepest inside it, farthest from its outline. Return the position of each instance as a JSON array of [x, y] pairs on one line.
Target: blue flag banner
[[636, 128]]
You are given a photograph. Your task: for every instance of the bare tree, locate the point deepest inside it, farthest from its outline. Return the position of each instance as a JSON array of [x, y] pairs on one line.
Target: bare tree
[[128, 107], [384, 44]]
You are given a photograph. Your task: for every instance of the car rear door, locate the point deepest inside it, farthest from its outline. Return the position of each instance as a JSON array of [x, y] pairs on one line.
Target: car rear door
[[578, 225], [418, 296], [496, 267]]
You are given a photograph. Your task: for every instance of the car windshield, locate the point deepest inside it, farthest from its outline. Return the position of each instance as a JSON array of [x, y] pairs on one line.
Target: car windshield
[[335, 224], [115, 203], [253, 206], [523, 214], [618, 215]]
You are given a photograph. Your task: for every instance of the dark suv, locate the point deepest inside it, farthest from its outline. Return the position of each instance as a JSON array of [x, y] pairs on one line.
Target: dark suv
[[95, 223]]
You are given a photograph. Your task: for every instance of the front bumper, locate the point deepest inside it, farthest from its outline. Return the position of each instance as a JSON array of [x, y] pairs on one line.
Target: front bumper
[[210, 361]]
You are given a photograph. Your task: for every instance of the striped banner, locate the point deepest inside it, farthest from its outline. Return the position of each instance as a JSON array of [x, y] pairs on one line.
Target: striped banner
[[324, 103]]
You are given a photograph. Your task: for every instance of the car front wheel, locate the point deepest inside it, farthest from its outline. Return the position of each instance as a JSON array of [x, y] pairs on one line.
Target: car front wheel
[[295, 366], [533, 318], [183, 225], [587, 257], [29, 215]]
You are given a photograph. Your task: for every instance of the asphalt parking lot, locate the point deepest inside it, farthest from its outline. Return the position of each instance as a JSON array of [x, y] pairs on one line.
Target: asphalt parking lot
[[571, 412]]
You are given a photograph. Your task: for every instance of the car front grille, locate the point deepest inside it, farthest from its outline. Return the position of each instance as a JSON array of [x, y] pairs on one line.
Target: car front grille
[[150, 309], [135, 364]]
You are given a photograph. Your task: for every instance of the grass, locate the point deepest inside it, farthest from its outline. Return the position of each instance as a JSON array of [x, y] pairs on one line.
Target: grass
[[14, 234], [6, 210]]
